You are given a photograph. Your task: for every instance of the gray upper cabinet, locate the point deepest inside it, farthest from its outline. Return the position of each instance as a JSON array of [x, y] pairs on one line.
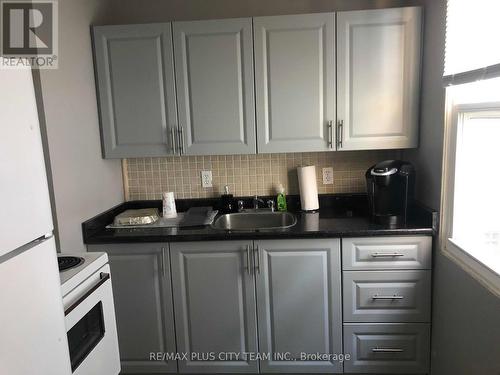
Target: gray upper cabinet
[[143, 302], [378, 78], [295, 82], [136, 89], [214, 294], [215, 86], [299, 303], [291, 83]]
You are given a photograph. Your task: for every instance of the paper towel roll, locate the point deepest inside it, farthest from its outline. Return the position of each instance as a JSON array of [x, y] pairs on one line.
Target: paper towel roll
[[308, 188]]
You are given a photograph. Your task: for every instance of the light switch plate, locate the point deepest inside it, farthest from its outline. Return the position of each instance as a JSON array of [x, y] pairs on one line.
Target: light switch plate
[[206, 179], [327, 176]]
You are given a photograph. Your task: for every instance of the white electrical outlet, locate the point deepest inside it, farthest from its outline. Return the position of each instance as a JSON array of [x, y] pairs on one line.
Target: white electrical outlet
[[206, 179], [327, 176]]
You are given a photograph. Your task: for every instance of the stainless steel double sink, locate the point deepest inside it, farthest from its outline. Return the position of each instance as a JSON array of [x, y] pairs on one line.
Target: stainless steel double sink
[[252, 220]]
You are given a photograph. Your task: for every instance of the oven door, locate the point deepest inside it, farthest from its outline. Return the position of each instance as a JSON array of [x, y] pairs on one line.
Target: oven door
[[91, 326]]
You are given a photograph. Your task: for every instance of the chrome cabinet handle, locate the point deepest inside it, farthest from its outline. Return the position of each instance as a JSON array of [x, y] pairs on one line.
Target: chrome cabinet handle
[[387, 350], [257, 259], [340, 133], [248, 267], [103, 277], [162, 262], [386, 255], [330, 134], [181, 141], [395, 296], [174, 141]]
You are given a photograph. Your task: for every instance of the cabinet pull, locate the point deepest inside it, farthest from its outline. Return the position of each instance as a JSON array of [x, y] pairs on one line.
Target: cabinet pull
[[248, 267], [257, 259], [386, 255], [181, 141], [340, 134], [162, 262], [330, 134], [395, 296], [172, 135], [387, 350], [103, 277]]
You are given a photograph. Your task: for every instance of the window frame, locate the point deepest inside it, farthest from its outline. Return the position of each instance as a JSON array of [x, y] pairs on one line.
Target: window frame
[[470, 262]]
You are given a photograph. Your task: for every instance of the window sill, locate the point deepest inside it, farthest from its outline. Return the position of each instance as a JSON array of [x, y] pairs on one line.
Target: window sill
[[482, 266]]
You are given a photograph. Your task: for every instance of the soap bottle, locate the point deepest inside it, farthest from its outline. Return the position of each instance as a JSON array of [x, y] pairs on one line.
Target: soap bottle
[[281, 198], [226, 201]]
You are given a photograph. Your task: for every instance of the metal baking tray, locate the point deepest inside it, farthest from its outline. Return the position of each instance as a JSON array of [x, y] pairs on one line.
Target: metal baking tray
[[142, 216]]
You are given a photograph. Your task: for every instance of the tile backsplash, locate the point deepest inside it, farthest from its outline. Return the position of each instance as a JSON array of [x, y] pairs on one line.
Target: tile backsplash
[[147, 178]]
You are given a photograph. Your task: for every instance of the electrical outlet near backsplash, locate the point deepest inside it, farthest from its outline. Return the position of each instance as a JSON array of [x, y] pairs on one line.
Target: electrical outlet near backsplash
[[147, 178]]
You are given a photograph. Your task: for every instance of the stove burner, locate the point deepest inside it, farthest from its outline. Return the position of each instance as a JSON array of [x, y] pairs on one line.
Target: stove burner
[[67, 262]]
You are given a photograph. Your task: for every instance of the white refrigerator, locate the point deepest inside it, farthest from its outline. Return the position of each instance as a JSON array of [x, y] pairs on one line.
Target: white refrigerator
[[32, 332]]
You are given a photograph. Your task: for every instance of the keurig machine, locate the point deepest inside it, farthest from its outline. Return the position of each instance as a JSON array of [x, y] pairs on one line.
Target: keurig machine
[[390, 186]]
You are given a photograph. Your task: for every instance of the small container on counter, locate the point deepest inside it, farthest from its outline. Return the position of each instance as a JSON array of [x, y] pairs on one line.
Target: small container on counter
[[169, 209]]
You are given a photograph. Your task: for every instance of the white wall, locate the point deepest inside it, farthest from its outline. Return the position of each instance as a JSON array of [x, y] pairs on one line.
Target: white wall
[[465, 317], [133, 11], [84, 184], [428, 156]]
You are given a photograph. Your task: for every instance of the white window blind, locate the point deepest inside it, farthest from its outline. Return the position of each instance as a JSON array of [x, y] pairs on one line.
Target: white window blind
[[472, 40]]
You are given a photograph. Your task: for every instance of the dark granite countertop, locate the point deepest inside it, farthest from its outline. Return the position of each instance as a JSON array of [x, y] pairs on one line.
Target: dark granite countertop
[[342, 215]]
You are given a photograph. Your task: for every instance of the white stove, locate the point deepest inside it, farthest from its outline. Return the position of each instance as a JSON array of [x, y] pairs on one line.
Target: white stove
[[74, 276], [89, 313]]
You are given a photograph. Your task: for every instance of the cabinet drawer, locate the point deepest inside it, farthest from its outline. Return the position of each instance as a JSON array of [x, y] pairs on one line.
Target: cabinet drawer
[[387, 348], [387, 296], [378, 253]]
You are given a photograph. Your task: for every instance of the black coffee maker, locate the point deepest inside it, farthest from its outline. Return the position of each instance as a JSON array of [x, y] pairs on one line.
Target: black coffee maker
[[391, 186]]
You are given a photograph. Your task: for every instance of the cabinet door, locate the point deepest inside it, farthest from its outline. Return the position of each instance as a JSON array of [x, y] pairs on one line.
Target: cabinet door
[[214, 73], [143, 303], [214, 294], [378, 78], [136, 89], [294, 82], [299, 304]]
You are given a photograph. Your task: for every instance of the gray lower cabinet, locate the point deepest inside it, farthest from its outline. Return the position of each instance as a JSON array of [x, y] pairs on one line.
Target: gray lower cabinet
[[214, 295], [215, 86], [386, 253], [387, 296], [387, 304], [143, 303], [387, 348], [299, 304], [136, 89]]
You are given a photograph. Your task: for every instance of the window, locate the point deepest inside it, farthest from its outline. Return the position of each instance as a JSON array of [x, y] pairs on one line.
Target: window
[[471, 190], [471, 48]]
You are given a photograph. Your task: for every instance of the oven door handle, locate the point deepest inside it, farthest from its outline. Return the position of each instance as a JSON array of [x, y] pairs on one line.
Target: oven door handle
[[104, 277]]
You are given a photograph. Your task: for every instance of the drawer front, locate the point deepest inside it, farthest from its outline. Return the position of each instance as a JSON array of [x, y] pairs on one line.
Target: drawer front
[[387, 348], [387, 296], [378, 253]]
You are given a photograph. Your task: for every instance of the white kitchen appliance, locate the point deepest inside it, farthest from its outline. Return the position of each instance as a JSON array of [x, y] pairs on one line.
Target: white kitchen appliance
[[89, 314], [32, 329]]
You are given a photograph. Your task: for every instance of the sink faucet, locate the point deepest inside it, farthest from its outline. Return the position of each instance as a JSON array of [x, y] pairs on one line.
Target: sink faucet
[[270, 205], [256, 201]]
